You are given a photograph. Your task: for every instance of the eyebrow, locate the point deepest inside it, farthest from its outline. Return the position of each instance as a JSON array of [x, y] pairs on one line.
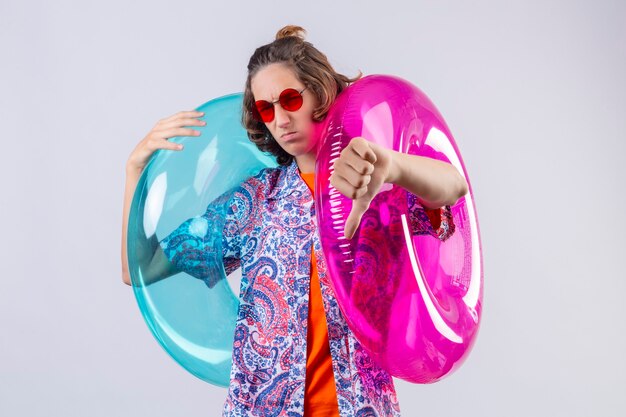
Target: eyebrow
[[298, 89]]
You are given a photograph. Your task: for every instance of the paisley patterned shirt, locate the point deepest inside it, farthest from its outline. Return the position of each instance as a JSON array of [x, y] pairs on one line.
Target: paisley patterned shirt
[[268, 226]]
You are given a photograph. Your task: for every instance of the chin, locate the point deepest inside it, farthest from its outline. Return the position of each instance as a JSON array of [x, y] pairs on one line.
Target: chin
[[292, 147]]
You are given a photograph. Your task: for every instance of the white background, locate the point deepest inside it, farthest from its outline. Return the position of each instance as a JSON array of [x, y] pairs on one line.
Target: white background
[[533, 91]]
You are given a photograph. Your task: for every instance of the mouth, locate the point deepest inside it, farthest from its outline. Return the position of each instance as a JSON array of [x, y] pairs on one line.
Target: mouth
[[288, 135]]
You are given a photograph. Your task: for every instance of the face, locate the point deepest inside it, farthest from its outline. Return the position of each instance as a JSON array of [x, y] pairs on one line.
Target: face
[[293, 130]]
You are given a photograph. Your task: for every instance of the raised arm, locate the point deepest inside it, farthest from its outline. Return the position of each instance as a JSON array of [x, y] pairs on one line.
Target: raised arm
[[364, 167], [149, 252]]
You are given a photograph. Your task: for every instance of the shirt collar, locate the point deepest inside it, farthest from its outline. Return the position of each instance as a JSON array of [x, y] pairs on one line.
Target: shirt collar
[[288, 181]]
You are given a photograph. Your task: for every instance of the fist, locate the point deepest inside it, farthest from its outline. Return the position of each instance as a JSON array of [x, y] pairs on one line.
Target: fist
[[361, 170]]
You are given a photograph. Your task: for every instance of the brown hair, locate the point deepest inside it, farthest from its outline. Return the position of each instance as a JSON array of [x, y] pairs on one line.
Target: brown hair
[[311, 68]]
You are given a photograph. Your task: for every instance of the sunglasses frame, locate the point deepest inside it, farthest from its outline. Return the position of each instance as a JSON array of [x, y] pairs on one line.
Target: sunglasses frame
[[257, 115]]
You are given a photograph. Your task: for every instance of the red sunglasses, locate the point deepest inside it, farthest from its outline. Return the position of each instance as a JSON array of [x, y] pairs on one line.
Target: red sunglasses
[[290, 100]]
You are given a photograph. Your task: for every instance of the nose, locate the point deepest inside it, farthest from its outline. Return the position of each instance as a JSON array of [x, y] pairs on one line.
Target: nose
[[282, 117]]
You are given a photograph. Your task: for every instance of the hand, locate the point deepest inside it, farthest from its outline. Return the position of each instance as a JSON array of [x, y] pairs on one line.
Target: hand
[[157, 138], [359, 173]]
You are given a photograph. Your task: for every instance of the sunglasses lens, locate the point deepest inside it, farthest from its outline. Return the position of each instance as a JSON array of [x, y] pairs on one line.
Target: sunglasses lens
[[290, 99], [264, 111]]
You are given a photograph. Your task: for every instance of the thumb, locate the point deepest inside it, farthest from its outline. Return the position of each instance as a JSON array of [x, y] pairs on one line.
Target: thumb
[[359, 207]]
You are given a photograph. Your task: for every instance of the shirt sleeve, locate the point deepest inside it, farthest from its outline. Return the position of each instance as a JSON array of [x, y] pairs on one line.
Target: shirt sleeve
[[202, 244], [424, 221]]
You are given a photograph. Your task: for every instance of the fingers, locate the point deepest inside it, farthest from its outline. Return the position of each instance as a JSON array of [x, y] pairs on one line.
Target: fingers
[[183, 121], [173, 132], [176, 125], [354, 170], [362, 148], [346, 188], [165, 144], [359, 165], [354, 179], [182, 114], [354, 218]]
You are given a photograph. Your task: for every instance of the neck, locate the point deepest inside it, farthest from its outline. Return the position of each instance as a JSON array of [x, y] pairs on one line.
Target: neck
[[306, 163]]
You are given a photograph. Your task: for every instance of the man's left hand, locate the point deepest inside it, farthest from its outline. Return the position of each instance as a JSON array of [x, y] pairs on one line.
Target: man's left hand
[[361, 170]]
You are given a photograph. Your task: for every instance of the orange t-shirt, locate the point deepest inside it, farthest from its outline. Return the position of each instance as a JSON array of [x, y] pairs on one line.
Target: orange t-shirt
[[320, 394]]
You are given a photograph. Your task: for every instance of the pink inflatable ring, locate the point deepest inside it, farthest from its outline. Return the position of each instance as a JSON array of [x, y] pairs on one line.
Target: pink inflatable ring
[[411, 294]]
